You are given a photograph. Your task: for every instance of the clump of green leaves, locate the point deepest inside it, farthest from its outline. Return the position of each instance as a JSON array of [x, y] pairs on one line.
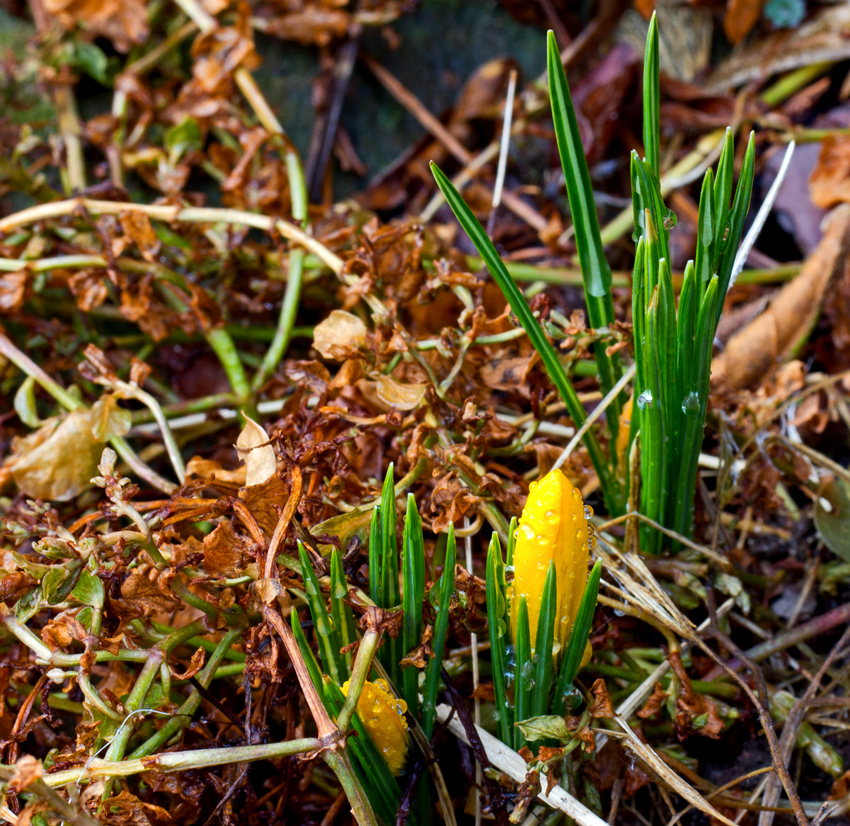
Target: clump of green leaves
[[336, 631], [672, 352]]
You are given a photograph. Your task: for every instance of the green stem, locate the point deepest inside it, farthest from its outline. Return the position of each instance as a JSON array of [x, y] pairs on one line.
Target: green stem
[[359, 674], [360, 808], [222, 344], [185, 713]]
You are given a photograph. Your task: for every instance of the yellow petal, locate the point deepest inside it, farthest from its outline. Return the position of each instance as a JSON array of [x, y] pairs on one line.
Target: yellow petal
[[382, 716], [552, 527]]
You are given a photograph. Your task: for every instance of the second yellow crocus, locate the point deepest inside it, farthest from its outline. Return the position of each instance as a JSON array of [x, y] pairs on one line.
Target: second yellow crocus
[[553, 528]]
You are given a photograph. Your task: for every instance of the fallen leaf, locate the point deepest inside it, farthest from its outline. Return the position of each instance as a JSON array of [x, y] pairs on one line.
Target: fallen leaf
[[138, 228], [58, 461], [226, 553], [601, 705], [108, 419], [777, 334], [195, 665], [127, 810], [12, 291], [259, 456], [654, 704], [199, 468], [27, 769], [340, 336], [398, 395], [822, 38], [148, 597], [829, 182]]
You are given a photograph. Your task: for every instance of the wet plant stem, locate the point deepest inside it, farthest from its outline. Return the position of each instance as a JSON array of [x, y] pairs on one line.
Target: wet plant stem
[[184, 714], [182, 761], [359, 674], [134, 702], [360, 808]]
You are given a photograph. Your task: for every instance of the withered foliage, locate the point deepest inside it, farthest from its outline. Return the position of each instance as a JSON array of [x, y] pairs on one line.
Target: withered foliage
[[200, 371]]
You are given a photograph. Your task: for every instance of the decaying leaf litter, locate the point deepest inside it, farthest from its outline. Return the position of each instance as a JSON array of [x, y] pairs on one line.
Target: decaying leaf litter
[[209, 375]]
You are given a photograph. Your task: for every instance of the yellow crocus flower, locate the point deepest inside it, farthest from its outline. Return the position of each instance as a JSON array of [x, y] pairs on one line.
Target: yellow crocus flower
[[553, 527], [382, 716]]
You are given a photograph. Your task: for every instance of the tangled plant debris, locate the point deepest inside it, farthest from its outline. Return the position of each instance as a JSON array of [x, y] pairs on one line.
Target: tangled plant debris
[[264, 448]]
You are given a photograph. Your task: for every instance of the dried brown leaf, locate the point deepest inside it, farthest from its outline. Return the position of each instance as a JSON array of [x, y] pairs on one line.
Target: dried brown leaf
[[340, 336], [146, 593], [27, 769], [777, 334], [398, 395], [740, 17], [654, 704], [829, 183], [127, 810], [226, 553], [195, 665], [124, 22], [259, 456], [601, 705], [12, 291], [58, 461]]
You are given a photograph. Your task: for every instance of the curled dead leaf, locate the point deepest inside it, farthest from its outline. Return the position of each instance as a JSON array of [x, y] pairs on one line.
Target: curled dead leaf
[[398, 395], [58, 461], [226, 553], [777, 334], [195, 665], [340, 336], [259, 457], [601, 705], [145, 596]]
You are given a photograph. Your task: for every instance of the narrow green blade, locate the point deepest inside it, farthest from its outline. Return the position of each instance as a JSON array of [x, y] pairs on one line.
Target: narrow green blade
[[596, 273], [652, 99], [723, 194], [341, 614], [376, 542], [523, 672], [413, 578], [327, 635], [694, 407], [390, 653], [497, 620], [306, 652], [509, 552], [578, 638], [445, 588], [704, 258], [496, 267], [732, 240], [543, 658]]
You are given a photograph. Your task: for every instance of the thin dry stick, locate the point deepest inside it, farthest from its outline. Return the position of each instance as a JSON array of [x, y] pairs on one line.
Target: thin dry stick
[[415, 106], [636, 699], [597, 412], [760, 704], [504, 146]]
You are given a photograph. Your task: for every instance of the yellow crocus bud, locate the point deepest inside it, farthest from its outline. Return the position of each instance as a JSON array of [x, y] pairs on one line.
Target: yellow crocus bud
[[553, 527], [382, 716]]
